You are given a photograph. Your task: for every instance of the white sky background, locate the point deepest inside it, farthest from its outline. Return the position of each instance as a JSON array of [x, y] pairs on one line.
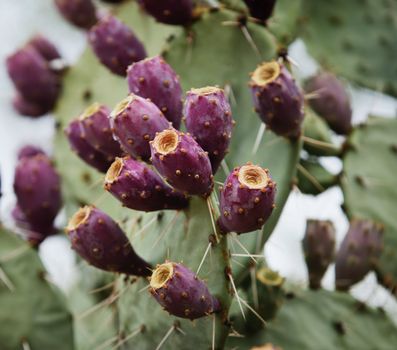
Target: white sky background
[[22, 18]]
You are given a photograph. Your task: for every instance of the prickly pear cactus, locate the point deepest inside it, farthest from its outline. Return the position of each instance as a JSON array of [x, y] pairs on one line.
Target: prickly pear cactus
[[368, 177], [220, 45], [183, 235], [43, 317]]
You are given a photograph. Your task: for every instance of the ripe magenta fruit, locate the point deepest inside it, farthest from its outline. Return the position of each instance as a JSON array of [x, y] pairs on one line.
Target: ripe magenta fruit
[[138, 187], [358, 253], [38, 192], [181, 292], [115, 45], [81, 13], [182, 162], [209, 119], [260, 9], [79, 145], [135, 122], [246, 199], [178, 12], [99, 240], [277, 99], [38, 87], [44, 47], [97, 131], [154, 78], [331, 101], [29, 151]]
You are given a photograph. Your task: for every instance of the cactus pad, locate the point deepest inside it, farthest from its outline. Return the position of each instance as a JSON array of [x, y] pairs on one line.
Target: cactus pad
[[353, 31], [327, 321], [368, 184], [42, 321]]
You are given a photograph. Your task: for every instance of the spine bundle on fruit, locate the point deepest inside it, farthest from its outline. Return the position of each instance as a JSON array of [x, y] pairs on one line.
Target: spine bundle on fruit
[[182, 162], [153, 78], [38, 192], [208, 118], [115, 45], [246, 199], [277, 99], [81, 13], [319, 249], [358, 253], [98, 239], [138, 187], [180, 292], [178, 12], [135, 122], [331, 101]]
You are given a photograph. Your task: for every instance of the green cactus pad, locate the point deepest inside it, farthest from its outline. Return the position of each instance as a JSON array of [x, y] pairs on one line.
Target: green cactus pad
[[354, 39], [313, 178], [369, 184], [318, 136], [314, 320], [284, 23], [91, 329], [87, 82], [32, 310]]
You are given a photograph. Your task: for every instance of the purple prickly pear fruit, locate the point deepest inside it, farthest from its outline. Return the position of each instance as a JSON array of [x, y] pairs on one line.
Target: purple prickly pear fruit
[[319, 249], [154, 78], [178, 12], [180, 292], [331, 101], [135, 122], [97, 130], [44, 47], [29, 151], [29, 109], [81, 13], [358, 253], [20, 218], [260, 9], [138, 187], [246, 199], [277, 99], [182, 162], [31, 234], [208, 118], [84, 150], [37, 187], [115, 45], [34, 80], [99, 240]]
